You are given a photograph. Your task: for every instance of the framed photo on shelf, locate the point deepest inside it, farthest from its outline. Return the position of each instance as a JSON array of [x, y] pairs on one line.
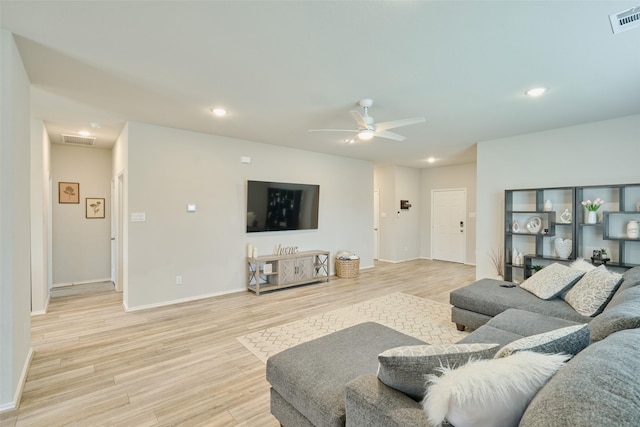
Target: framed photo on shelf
[[68, 192], [94, 208]]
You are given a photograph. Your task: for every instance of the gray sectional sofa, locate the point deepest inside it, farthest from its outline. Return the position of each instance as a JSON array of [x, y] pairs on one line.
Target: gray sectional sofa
[[332, 381]]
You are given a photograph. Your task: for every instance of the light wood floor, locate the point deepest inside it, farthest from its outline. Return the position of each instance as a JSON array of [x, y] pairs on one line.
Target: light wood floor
[[96, 365]]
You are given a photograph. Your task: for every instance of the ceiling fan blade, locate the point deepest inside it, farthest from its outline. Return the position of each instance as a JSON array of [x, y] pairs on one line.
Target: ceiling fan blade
[[390, 135], [359, 119], [333, 130], [398, 123]]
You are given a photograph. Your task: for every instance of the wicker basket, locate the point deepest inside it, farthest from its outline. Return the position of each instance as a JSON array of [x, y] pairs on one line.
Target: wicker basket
[[347, 268]]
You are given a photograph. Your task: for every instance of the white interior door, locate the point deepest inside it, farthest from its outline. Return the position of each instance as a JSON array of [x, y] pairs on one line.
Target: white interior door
[[376, 224], [448, 225], [113, 230], [118, 238]]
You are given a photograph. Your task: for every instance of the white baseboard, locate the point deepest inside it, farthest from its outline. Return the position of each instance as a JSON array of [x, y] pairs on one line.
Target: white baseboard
[[10, 406], [83, 282], [43, 311], [178, 301]]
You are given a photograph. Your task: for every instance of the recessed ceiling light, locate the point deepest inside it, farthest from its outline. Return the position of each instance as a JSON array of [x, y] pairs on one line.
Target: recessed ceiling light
[[431, 159], [348, 140], [536, 91], [96, 125], [220, 112], [84, 133]]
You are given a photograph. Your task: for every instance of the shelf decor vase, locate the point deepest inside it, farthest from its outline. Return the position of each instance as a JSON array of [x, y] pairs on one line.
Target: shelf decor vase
[[632, 230], [562, 247], [592, 217]]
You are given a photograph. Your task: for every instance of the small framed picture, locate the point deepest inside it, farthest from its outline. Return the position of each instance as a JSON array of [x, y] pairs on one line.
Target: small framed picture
[[94, 208], [68, 192], [597, 254]]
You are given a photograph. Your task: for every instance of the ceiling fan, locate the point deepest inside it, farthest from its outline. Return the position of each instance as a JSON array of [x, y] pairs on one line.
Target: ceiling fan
[[367, 128]]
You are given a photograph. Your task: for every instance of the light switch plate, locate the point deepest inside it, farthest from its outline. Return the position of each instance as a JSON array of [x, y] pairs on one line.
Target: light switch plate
[[138, 217]]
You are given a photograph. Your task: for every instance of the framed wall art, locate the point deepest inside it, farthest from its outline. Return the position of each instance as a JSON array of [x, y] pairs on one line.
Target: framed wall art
[[68, 192], [94, 207]]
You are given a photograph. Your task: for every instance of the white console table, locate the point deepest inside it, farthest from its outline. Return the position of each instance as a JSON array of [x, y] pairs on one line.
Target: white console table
[[270, 272]]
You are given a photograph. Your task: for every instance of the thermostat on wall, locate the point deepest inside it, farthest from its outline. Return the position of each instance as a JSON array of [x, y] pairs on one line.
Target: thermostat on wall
[[191, 207]]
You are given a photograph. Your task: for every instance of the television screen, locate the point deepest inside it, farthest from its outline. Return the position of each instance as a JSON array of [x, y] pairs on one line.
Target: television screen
[[278, 206]]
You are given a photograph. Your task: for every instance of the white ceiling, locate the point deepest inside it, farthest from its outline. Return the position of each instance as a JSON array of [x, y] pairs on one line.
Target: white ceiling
[[283, 67]]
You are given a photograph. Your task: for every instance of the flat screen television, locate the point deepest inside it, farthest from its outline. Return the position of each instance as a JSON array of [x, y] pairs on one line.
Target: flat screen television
[[279, 206]]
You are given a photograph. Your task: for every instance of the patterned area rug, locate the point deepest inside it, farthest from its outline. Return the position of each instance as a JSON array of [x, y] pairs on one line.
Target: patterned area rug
[[421, 318]]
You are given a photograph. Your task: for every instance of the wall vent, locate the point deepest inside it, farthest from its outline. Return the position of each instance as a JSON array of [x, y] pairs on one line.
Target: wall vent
[[77, 140], [626, 20]]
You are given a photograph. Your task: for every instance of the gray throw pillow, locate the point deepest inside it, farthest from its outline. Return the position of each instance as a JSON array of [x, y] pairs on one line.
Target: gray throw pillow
[[630, 278], [623, 312], [589, 296], [405, 368], [549, 282], [569, 340]]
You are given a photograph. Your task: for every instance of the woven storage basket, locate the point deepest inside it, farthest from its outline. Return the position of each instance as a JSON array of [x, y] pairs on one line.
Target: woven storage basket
[[347, 268]]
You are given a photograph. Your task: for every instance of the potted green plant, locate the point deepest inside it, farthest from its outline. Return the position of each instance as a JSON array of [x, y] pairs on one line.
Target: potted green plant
[[535, 268]]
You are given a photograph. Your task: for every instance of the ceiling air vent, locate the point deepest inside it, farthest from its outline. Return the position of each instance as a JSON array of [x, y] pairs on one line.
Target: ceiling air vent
[[77, 140], [626, 20]]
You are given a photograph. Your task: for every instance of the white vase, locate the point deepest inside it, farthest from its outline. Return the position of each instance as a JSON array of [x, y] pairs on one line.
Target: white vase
[[548, 206], [592, 217], [563, 247], [632, 230]]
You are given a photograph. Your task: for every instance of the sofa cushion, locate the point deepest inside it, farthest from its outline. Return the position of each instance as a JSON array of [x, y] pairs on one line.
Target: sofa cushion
[[489, 392], [486, 296], [598, 387], [623, 312], [405, 368], [589, 296], [312, 376], [551, 281], [486, 333], [370, 403], [526, 323], [569, 340]]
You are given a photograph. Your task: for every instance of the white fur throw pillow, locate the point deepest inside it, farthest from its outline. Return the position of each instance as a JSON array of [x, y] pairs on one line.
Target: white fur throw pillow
[[582, 265], [489, 393], [406, 368]]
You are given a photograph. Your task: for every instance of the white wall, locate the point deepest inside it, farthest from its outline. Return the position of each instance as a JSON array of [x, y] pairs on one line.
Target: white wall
[[15, 222], [408, 222], [606, 152], [399, 240], [384, 180], [446, 178], [168, 168], [40, 174], [81, 246]]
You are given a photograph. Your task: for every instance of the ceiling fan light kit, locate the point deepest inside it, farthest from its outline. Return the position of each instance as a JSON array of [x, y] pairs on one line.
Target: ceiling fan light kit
[[367, 128], [536, 91], [366, 134]]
